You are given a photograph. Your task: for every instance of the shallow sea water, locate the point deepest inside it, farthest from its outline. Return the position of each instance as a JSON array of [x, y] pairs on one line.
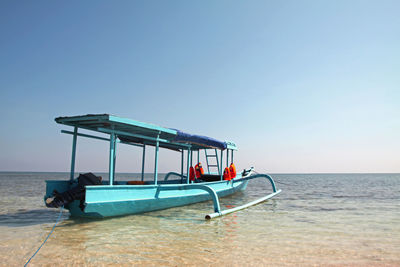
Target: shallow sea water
[[318, 219]]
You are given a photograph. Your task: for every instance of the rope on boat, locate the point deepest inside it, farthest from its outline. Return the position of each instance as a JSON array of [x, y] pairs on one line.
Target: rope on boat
[[58, 219]]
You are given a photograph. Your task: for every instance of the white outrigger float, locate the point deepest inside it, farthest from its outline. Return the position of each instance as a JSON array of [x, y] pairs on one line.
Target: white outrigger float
[[88, 196]]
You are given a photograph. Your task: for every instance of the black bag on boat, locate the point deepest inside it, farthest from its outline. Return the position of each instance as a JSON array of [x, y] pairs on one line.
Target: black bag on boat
[[89, 179], [210, 177], [75, 193]]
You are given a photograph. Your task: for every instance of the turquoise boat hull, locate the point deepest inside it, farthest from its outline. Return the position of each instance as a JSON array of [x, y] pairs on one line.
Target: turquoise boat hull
[[118, 200]]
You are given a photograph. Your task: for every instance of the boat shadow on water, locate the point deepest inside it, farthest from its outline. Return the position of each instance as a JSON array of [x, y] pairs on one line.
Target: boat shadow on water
[[193, 213], [23, 217]]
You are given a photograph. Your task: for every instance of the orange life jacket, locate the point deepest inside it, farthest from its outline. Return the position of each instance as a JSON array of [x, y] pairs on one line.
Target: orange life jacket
[[232, 170], [191, 174], [227, 175], [199, 170]]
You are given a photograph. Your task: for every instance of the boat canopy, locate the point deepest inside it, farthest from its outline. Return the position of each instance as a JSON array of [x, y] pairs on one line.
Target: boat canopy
[[132, 131]]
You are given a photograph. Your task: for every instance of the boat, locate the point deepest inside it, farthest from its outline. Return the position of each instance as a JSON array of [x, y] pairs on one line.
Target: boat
[[108, 198]]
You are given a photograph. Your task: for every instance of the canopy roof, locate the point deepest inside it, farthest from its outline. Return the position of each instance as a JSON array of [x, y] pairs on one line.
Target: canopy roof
[[138, 132]]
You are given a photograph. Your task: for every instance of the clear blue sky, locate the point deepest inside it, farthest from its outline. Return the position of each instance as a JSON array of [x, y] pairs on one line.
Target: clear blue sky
[[300, 86]]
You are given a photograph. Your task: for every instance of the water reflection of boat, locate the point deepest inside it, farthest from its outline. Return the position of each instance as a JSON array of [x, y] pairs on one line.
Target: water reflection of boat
[[116, 198]]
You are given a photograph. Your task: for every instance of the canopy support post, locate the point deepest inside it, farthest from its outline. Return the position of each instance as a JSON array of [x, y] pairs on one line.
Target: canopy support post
[[221, 171], [198, 156], [112, 159], [208, 166], [115, 155], [216, 157], [227, 157], [182, 157], [143, 160], [188, 164], [71, 175], [232, 156], [156, 162]]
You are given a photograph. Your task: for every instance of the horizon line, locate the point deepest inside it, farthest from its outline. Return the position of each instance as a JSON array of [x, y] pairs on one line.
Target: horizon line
[[167, 172]]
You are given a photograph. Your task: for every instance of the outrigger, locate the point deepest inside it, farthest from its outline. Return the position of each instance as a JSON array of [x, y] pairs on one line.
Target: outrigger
[[98, 198]]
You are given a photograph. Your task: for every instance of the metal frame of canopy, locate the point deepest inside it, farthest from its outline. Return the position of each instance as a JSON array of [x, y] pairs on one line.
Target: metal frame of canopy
[[131, 132]]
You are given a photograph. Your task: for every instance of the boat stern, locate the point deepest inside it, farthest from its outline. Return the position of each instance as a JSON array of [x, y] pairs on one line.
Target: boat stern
[[59, 186]]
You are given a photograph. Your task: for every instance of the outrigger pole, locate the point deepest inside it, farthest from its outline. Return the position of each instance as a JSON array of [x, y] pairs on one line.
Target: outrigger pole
[[217, 207], [213, 194]]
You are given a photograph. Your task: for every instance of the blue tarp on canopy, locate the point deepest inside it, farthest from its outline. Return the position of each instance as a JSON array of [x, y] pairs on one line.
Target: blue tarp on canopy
[[199, 139]]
